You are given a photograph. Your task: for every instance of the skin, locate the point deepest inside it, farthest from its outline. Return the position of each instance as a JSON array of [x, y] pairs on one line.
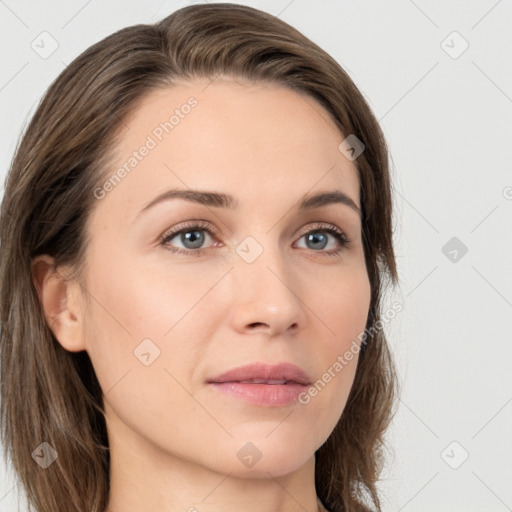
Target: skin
[[174, 440]]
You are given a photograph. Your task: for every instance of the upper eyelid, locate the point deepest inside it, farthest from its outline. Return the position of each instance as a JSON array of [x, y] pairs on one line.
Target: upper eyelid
[[201, 224]]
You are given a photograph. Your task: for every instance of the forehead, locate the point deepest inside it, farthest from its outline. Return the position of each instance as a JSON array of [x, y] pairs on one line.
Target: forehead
[[254, 140]]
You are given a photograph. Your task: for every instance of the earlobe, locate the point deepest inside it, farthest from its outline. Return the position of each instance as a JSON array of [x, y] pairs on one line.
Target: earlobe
[[59, 298]]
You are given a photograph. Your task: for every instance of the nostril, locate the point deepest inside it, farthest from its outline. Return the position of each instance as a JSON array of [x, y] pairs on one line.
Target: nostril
[[255, 324]]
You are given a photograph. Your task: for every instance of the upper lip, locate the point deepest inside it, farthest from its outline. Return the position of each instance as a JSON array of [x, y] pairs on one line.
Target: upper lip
[[287, 372]]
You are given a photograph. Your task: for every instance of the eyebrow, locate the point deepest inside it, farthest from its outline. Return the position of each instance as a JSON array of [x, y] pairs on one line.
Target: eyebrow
[[221, 200]]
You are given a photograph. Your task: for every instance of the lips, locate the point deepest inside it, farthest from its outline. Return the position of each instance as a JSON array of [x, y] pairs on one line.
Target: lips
[[262, 385], [261, 373]]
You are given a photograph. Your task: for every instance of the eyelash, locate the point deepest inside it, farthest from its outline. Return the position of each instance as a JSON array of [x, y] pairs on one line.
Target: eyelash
[[337, 233]]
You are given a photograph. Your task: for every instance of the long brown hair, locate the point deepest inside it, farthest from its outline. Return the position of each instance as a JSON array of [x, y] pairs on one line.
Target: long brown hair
[[49, 394]]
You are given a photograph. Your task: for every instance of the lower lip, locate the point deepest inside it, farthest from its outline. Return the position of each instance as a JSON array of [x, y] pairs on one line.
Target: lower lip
[[268, 395]]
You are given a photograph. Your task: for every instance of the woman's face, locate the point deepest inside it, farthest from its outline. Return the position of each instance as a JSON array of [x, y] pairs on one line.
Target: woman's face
[[259, 281]]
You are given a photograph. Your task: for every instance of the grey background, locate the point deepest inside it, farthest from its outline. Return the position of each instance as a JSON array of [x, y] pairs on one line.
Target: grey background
[[448, 121]]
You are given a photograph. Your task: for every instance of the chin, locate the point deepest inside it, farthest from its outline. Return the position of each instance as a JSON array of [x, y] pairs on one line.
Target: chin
[[261, 456]]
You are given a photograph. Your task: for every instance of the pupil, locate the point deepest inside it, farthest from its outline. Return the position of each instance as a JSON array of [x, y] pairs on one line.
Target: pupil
[[194, 238], [315, 238]]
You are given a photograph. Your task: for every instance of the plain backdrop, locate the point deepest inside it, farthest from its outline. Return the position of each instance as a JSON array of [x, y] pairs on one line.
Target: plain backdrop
[[438, 77]]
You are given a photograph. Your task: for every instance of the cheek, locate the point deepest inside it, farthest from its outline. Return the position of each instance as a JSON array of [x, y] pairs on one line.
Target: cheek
[[138, 366], [344, 312], [142, 314], [149, 300], [343, 306]]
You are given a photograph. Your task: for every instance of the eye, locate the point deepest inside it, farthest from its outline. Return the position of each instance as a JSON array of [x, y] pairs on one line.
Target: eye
[[318, 239], [192, 237]]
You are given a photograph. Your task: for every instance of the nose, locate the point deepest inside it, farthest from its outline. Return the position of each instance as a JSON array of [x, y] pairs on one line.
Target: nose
[[267, 296]]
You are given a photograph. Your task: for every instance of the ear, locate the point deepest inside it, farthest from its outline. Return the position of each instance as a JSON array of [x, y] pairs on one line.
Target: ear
[[60, 300]]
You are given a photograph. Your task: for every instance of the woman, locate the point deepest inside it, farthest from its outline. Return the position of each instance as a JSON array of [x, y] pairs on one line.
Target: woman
[[172, 338]]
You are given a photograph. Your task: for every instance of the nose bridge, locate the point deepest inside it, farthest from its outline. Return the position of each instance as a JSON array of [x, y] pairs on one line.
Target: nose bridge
[[266, 293]]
